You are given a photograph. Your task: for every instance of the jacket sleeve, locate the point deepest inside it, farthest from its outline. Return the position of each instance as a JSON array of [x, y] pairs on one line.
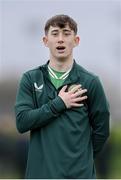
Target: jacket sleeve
[[98, 115], [28, 117]]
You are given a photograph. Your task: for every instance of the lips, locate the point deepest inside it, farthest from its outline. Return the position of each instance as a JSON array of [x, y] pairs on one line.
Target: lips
[[60, 47]]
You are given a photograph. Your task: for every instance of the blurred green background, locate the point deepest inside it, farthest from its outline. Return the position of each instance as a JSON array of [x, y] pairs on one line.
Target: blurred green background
[[21, 48]]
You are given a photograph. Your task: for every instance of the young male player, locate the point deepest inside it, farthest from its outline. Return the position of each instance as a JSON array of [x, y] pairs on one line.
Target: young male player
[[65, 109]]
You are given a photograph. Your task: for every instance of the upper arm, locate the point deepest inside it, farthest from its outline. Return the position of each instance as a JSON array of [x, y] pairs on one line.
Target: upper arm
[[97, 104]]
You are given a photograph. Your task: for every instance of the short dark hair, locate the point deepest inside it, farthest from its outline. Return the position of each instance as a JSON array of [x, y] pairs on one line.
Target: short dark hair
[[61, 21]]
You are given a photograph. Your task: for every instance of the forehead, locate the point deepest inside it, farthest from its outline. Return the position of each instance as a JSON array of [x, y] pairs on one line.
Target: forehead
[[56, 28]]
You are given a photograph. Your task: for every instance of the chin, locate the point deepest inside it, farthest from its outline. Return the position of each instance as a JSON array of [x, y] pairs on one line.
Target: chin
[[62, 58]]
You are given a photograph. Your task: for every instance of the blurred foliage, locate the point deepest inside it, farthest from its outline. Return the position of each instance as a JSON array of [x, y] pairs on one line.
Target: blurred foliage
[[115, 160], [109, 161]]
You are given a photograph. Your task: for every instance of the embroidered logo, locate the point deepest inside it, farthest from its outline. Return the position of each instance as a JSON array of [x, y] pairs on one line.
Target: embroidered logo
[[38, 88]]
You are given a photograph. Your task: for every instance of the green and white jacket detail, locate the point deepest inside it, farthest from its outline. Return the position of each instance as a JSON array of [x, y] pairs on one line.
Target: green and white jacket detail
[[63, 142]]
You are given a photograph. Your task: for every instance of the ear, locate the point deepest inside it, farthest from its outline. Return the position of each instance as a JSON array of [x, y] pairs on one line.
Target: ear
[[45, 41], [76, 41]]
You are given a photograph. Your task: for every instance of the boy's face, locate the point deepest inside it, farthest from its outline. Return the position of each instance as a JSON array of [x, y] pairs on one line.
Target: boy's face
[[61, 41]]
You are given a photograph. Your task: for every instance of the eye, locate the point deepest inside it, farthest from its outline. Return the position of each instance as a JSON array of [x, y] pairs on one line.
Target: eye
[[54, 34], [67, 33]]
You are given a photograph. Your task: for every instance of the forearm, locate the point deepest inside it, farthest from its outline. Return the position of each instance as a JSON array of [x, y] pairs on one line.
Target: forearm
[[98, 142], [100, 132], [29, 119]]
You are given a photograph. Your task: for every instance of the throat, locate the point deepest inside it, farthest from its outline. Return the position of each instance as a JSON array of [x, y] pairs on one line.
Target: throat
[[61, 66]]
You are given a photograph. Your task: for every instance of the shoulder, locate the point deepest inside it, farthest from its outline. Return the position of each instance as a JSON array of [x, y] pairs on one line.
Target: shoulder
[[89, 79], [34, 74], [32, 71], [84, 73]]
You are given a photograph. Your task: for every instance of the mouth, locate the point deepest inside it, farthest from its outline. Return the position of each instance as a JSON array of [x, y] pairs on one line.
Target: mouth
[[60, 48]]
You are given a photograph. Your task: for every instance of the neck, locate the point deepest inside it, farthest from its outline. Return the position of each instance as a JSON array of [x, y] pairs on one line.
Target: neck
[[61, 65]]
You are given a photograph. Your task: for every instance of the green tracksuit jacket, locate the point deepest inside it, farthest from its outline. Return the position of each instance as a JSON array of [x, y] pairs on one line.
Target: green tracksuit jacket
[[63, 142]]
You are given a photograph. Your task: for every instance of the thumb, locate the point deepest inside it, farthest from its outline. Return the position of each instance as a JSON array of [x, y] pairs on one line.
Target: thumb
[[63, 88]]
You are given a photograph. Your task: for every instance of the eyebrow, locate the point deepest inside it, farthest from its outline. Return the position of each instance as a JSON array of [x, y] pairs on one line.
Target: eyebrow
[[65, 30], [55, 30], [68, 30]]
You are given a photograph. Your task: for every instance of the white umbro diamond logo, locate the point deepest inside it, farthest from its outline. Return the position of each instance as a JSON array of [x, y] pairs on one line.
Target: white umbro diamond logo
[[38, 88]]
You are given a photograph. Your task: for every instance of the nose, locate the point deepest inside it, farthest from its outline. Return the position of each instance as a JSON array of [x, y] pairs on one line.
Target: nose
[[60, 38]]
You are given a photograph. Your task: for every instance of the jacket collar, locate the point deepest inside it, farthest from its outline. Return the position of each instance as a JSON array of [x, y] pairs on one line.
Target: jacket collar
[[71, 79], [73, 75]]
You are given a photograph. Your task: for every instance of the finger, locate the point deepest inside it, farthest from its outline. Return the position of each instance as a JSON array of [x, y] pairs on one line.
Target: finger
[[79, 99], [83, 98], [80, 92], [75, 88], [77, 105], [63, 88]]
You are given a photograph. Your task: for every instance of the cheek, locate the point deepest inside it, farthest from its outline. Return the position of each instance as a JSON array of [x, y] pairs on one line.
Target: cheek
[[50, 42], [70, 45], [50, 45], [51, 48]]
